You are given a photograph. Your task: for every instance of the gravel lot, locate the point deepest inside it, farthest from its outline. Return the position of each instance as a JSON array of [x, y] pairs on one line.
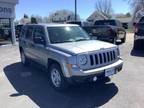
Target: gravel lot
[[22, 87]]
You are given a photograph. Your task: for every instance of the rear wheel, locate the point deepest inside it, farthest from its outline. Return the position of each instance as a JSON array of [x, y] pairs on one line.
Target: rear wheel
[[123, 40], [56, 78]]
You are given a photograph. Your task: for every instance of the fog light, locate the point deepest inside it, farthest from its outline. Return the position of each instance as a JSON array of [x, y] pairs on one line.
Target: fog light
[[95, 79]]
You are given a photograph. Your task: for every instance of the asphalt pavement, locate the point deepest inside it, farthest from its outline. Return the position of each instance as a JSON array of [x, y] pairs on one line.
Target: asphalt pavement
[[26, 87]]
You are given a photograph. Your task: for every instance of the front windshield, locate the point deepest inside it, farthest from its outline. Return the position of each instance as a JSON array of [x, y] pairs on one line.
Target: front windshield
[[67, 34]]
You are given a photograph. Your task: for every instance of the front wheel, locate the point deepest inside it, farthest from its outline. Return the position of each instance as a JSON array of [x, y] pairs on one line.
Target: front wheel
[[115, 40], [24, 59], [123, 40], [56, 78]]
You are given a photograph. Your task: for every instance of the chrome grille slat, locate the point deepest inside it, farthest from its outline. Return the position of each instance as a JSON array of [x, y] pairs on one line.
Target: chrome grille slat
[[106, 57], [98, 59], [94, 59], [102, 58]]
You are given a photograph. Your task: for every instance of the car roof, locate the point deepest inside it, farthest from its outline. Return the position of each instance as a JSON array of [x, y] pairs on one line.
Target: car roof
[[52, 25]]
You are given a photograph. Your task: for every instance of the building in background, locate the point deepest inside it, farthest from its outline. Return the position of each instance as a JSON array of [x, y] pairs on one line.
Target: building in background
[[126, 21], [62, 16], [96, 16], [7, 16]]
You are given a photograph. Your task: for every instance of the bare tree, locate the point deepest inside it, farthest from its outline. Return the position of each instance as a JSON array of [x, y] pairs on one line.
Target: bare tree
[[136, 5], [104, 7], [62, 16]]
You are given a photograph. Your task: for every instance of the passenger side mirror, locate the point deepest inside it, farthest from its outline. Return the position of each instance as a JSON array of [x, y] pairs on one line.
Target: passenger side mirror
[[125, 26], [39, 40]]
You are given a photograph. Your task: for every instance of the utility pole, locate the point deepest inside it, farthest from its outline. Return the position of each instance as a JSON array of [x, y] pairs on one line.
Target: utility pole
[[75, 10]]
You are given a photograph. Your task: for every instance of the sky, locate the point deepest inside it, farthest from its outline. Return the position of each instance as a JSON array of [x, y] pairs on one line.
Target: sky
[[45, 7]]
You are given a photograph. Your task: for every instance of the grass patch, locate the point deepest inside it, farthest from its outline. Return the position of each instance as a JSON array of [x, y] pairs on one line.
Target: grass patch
[[130, 30]]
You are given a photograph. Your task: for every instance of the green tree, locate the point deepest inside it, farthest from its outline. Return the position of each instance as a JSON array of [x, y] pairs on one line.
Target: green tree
[[136, 5], [33, 20], [128, 14], [26, 16]]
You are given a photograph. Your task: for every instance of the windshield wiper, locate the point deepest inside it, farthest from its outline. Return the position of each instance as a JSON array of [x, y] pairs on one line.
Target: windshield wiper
[[66, 41], [81, 40]]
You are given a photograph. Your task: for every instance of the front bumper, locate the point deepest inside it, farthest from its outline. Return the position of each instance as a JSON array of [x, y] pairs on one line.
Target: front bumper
[[136, 37], [88, 75]]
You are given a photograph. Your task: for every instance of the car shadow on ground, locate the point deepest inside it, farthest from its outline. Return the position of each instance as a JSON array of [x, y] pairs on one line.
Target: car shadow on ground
[[138, 53], [34, 84]]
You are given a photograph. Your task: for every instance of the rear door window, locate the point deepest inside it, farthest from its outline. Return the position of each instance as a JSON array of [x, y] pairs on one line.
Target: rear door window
[[29, 33]]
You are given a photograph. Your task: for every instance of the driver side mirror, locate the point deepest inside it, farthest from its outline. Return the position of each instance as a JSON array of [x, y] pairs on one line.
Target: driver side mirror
[[39, 40]]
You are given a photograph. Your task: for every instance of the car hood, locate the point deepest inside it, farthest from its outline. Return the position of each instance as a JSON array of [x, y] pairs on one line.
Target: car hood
[[83, 46]]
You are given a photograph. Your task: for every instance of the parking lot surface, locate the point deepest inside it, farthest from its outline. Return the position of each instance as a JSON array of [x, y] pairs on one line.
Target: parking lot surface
[[25, 87]]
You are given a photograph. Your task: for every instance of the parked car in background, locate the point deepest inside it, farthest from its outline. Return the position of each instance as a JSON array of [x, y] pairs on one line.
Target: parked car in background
[[108, 30], [5, 33], [139, 34], [68, 54], [103, 33], [18, 29]]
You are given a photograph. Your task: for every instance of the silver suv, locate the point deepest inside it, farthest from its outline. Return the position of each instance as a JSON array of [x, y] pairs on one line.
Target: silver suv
[[68, 54]]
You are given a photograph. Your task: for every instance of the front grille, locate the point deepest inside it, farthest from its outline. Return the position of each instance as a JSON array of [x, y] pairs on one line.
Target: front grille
[[102, 58]]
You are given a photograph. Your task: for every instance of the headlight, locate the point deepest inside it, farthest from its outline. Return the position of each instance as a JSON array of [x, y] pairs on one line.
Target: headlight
[[82, 60]]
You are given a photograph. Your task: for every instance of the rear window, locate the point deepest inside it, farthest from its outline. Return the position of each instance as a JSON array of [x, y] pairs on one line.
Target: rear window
[[97, 31], [106, 22]]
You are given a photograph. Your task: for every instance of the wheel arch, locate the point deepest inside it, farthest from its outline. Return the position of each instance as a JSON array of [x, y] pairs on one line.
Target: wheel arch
[[51, 61]]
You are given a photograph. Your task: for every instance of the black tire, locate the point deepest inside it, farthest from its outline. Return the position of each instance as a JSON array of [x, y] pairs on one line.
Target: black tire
[[123, 40], [24, 60], [62, 83]]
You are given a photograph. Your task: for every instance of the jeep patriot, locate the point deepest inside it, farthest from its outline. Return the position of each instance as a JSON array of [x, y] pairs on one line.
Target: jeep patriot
[[68, 54]]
